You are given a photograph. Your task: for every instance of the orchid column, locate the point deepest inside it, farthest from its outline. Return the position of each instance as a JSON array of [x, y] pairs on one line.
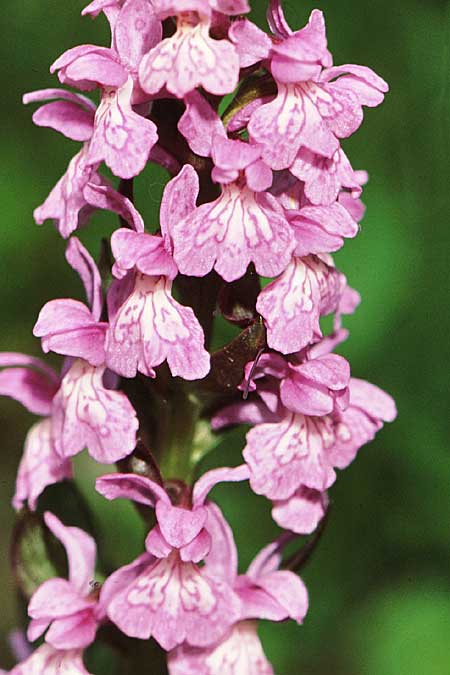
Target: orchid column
[[257, 200]]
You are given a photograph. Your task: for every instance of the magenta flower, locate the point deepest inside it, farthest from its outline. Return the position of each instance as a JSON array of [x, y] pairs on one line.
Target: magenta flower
[[265, 593], [73, 116], [302, 450], [191, 57], [68, 609], [34, 384], [240, 227], [148, 326], [292, 305], [121, 138], [164, 593], [313, 110], [85, 413]]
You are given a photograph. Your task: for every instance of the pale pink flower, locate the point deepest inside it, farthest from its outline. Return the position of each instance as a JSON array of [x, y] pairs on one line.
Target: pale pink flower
[[68, 609], [34, 384], [165, 593], [265, 593], [292, 305], [239, 227], [191, 57], [147, 325], [121, 137], [85, 412], [73, 116], [313, 109], [301, 450]]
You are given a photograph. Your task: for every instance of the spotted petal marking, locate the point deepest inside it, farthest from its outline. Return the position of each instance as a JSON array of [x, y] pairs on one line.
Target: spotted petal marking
[[121, 138], [151, 327], [293, 304], [188, 60], [238, 228], [86, 414], [173, 601]]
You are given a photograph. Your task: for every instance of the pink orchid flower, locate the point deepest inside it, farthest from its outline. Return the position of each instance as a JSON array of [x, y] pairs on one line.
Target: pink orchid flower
[[68, 609], [265, 593], [191, 57], [147, 325], [165, 593]]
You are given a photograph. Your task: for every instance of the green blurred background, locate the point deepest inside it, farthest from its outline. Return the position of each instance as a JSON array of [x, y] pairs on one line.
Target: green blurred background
[[379, 581]]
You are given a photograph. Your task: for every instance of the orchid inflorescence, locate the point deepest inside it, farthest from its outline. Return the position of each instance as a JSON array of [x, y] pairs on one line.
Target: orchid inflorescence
[[259, 187]]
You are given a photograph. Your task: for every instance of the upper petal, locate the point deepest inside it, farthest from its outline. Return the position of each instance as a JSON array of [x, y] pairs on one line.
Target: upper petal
[[81, 552]]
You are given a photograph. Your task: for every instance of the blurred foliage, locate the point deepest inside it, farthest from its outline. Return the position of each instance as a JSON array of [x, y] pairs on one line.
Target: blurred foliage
[[379, 582]]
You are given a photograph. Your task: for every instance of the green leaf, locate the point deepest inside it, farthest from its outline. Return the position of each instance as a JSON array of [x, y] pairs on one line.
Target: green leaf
[[31, 555]]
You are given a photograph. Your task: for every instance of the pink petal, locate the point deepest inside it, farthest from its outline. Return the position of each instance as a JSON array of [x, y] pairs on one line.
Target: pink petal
[[121, 138], [197, 549], [330, 370], [205, 484], [322, 228], [123, 577], [277, 127], [144, 251], [131, 486], [199, 124], [136, 31], [238, 228], [221, 561], [231, 7], [56, 598], [289, 591], [258, 176], [190, 59], [105, 197], [151, 327], [252, 44], [175, 602], [292, 304], [73, 632], [305, 397], [178, 200], [82, 262], [69, 119], [47, 94], [179, 526], [284, 455], [36, 628], [32, 388], [238, 653], [46, 659], [276, 19], [39, 467], [245, 412], [81, 552], [67, 327], [372, 400], [66, 203], [86, 414], [233, 154], [302, 512], [256, 603], [88, 66], [96, 6], [156, 544]]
